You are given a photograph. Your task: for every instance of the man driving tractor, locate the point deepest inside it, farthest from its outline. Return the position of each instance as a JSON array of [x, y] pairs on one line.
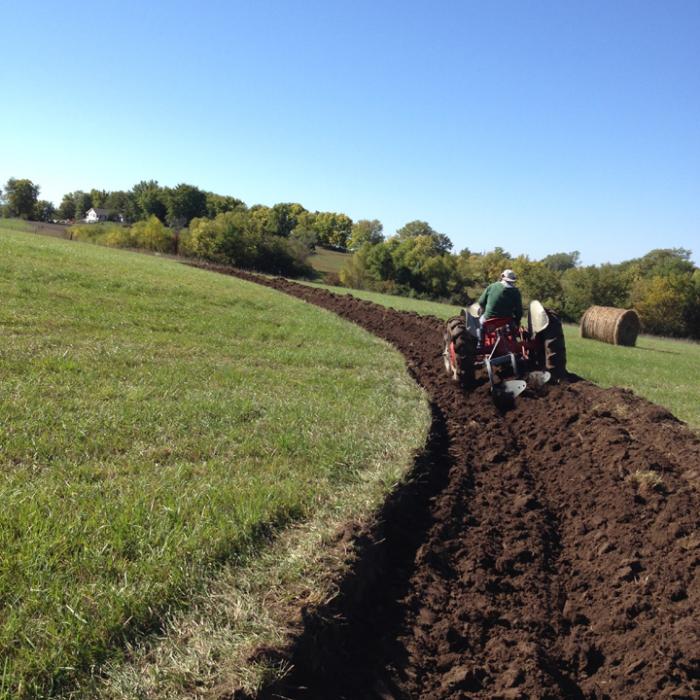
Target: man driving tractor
[[488, 335], [502, 299]]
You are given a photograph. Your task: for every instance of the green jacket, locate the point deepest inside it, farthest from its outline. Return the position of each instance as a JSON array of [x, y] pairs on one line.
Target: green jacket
[[498, 300]]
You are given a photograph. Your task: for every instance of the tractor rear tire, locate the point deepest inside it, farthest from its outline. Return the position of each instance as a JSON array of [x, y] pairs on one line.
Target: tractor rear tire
[[553, 347], [460, 363]]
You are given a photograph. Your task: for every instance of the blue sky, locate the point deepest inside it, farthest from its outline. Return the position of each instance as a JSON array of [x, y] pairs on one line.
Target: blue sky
[[536, 126]]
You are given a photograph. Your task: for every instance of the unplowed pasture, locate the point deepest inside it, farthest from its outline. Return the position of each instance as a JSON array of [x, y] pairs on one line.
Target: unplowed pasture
[[156, 420]]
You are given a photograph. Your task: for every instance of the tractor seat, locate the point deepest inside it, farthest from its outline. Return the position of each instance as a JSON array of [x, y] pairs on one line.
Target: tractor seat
[[499, 327], [492, 324]]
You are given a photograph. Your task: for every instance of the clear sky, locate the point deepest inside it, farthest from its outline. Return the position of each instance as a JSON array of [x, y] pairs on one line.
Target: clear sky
[[537, 126]]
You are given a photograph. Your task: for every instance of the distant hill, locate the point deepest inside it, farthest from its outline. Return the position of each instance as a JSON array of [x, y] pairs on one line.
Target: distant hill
[[325, 260]]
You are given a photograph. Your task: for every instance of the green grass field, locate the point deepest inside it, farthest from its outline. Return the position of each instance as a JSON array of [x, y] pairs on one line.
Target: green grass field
[[157, 420], [427, 308], [45, 229], [663, 370], [15, 225], [324, 260]]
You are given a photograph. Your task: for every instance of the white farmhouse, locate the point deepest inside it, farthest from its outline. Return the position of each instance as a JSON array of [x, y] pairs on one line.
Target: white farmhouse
[[96, 214]]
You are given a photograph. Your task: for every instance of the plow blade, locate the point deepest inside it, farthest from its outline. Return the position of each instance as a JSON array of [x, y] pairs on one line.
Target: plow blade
[[510, 388], [536, 380]]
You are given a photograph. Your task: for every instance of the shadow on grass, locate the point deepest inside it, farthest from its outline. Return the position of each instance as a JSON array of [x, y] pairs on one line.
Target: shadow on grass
[[666, 352]]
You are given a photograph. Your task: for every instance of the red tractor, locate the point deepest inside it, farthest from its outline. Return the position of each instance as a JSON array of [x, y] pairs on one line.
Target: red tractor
[[514, 357]]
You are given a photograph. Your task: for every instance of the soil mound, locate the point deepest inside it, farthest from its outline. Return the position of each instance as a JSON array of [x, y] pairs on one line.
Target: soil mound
[[548, 552]]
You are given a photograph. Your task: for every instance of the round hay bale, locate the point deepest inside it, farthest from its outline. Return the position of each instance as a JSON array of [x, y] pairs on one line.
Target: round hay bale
[[611, 325]]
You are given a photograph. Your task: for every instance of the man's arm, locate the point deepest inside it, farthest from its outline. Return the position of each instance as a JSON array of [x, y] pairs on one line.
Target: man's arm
[[483, 298], [518, 308]]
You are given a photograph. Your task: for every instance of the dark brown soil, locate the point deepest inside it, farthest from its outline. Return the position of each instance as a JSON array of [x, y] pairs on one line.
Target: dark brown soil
[[523, 558]]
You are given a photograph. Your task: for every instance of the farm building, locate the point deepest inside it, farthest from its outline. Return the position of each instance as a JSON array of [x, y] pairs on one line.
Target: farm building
[[95, 215]]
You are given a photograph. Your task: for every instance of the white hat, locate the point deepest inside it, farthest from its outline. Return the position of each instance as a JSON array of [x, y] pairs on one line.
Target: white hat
[[509, 276]]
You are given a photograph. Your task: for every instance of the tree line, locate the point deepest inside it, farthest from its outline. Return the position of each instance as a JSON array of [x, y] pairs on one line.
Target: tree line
[[417, 261], [663, 285], [175, 207]]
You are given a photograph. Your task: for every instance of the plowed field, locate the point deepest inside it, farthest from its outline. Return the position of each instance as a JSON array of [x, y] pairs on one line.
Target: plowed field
[[547, 552]]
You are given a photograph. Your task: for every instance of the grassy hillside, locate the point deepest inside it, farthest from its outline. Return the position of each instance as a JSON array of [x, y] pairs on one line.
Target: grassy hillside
[[431, 308], [56, 230], [324, 260], [15, 224], [157, 420], [663, 370]]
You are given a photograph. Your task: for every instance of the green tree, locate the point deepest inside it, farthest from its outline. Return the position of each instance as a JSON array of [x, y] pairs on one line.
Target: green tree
[[661, 302], [234, 238], [20, 198], [122, 206], [184, 203], [354, 272], [305, 231], [578, 287], [378, 261], [415, 228], [282, 256], [489, 266], [560, 262], [220, 204], [151, 234], [260, 218], [333, 229], [99, 198], [151, 200], [83, 203], [607, 285], [661, 262], [66, 210], [365, 231], [416, 266], [230, 237], [422, 228], [612, 286], [438, 276], [44, 210], [463, 284], [285, 217], [538, 281], [279, 220], [467, 269]]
